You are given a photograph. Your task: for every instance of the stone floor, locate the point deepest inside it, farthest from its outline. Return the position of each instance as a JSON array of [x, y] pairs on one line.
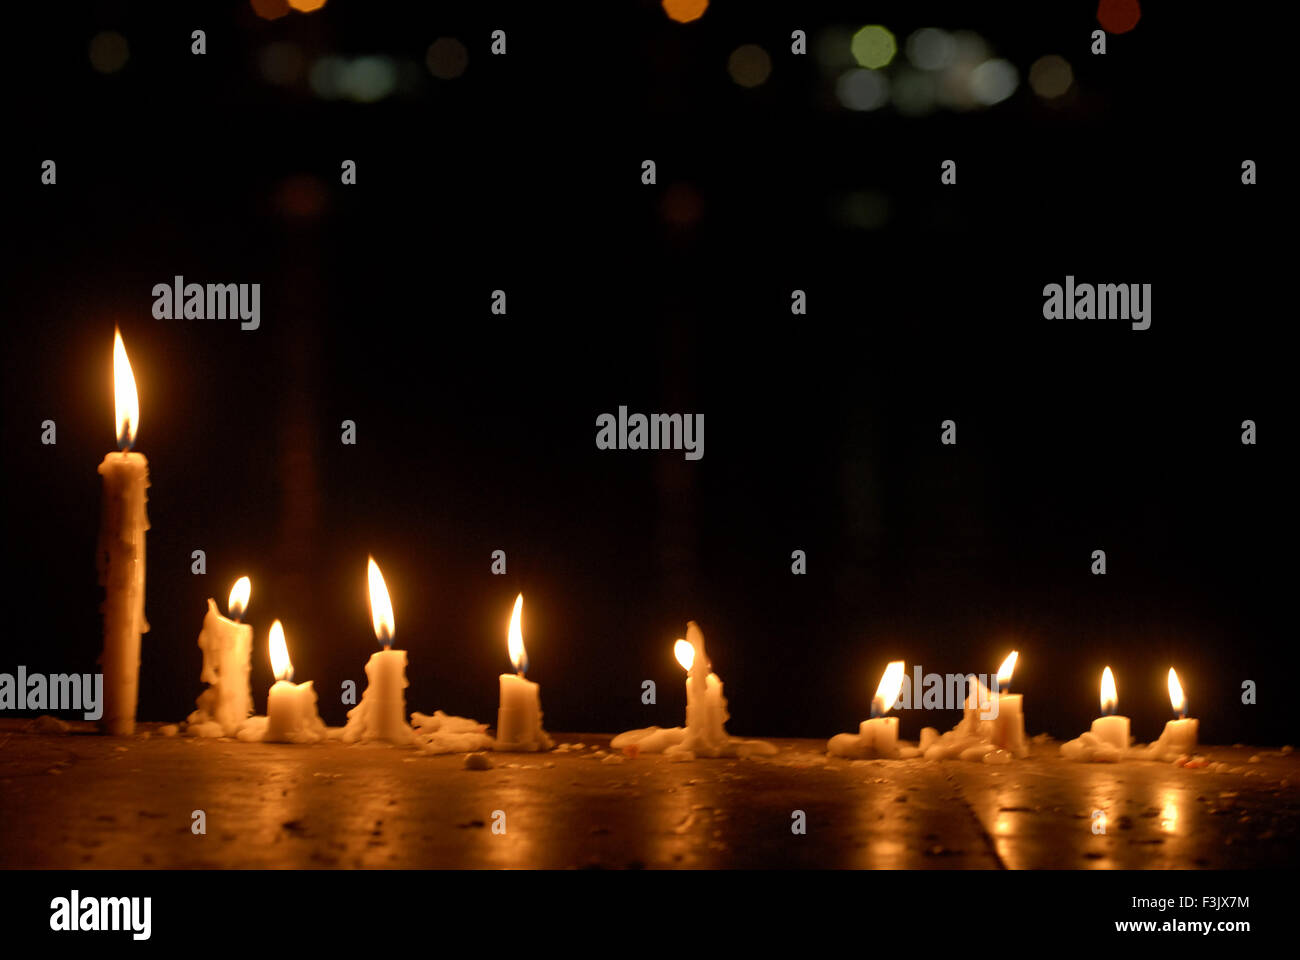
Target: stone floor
[[81, 800]]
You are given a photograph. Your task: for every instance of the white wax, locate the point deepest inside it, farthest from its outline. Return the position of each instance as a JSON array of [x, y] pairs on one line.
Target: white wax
[[519, 717], [880, 736], [1009, 725], [121, 573], [381, 714], [1112, 731], [1180, 735], [706, 713], [227, 648], [290, 712]]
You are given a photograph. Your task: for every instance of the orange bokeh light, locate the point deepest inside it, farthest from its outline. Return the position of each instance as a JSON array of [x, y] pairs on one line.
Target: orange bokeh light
[[270, 9], [1118, 16], [684, 11]]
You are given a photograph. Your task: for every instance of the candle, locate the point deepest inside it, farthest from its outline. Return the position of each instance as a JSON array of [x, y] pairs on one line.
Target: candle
[[519, 717], [705, 733], [877, 737], [291, 715], [227, 647], [1109, 728], [381, 714], [120, 554], [1009, 724], [706, 707], [1179, 735]]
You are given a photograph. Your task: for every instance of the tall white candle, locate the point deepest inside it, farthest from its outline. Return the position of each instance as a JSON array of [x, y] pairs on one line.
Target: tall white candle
[[1009, 724], [519, 717], [120, 555], [381, 714]]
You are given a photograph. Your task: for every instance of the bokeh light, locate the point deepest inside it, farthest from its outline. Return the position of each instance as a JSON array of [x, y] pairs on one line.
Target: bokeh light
[[681, 205], [306, 6], [749, 65], [864, 210], [861, 89], [368, 79], [1118, 16], [914, 93], [326, 77], [281, 63], [931, 48], [993, 81], [873, 47], [108, 51], [684, 11], [270, 9], [447, 58], [1050, 76]]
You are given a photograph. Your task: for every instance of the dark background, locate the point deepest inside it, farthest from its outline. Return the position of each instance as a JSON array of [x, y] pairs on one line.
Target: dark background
[[476, 432]]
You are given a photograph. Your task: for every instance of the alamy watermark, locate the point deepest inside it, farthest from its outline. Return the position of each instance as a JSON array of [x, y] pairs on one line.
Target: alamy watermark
[[58, 691], [655, 431]]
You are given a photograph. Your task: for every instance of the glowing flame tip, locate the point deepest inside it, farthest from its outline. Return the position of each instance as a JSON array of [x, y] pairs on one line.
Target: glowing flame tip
[[381, 607], [1109, 696], [515, 637], [126, 401], [280, 665], [239, 598], [891, 684]]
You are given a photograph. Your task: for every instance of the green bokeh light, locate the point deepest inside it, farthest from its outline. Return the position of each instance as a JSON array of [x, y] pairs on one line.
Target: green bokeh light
[[873, 47]]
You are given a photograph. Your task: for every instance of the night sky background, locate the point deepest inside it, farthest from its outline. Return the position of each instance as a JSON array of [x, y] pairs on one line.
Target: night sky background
[[476, 432]]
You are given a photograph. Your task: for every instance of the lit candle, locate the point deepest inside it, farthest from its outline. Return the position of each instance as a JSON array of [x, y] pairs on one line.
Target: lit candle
[[1009, 724], [1110, 728], [706, 707], [1179, 735], [877, 737], [120, 554], [381, 714], [227, 647], [880, 733], [291, 715], [519, 717]]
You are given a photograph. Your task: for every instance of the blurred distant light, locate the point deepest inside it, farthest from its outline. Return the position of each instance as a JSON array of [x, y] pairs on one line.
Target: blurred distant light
[[860, 89], [368, 79], [931, 48], [864, 210], [873, 47], [306, 6], [281, 63], [993, 81], [1118, 16], [832, 48], [326, 77], [684, 11], [300, 197], [447, 58], [749, 66], [270, 9], [914, 93], [681, 205], [108, 51], [1050, 76], [968, 47]]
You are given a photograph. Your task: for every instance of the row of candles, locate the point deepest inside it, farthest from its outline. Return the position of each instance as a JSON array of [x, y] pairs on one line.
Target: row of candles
[[291, 708], [878, 736]]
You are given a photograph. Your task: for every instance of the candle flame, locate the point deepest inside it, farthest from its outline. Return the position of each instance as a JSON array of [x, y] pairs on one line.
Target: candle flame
[[685, 654], [891, 684], [280, 665], [239, 598], [1004, 671], [381, 608], [1109, 696], [1176, 697], [125, 400], [515, 638]]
